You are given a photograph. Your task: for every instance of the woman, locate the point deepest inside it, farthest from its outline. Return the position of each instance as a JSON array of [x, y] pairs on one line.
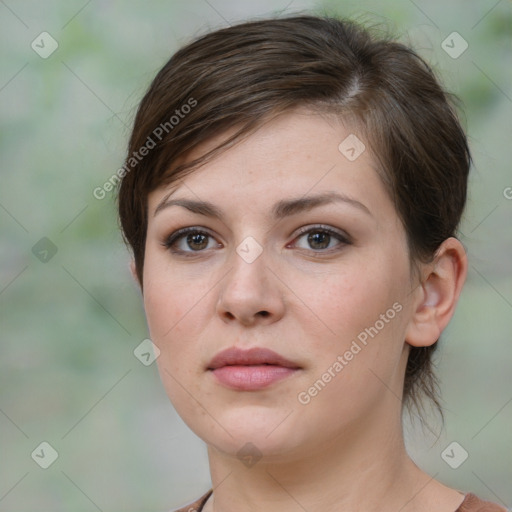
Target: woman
[[291, 196]]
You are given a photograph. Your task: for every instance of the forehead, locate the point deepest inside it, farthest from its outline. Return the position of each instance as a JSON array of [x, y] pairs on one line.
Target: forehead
[[293, 154]]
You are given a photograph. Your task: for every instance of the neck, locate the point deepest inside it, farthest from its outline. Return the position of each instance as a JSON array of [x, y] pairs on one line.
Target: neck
[[358, 470]]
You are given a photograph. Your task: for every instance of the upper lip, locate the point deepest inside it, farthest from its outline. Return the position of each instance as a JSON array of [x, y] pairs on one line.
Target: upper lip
[[255, 356]]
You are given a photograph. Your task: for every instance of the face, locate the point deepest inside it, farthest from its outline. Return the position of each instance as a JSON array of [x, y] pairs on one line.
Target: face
[[280, 244]]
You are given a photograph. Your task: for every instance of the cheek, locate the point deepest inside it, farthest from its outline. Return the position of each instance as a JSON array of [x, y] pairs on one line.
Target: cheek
[[178, 308], [171, 313], [352, 299], [362, 317], [175, 326], [172, 299], [164, 312]]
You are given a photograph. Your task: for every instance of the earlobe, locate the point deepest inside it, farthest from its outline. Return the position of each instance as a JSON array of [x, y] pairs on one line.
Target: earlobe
[[438, 294]]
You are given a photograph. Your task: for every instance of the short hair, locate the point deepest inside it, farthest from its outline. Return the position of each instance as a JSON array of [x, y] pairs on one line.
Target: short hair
[[242, 76]]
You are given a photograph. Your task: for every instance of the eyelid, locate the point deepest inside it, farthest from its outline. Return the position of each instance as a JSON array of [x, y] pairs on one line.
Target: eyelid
[[342, 235], [175, 236]]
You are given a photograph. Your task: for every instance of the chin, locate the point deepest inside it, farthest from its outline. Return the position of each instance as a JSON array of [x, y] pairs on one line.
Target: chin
[[247, 428]]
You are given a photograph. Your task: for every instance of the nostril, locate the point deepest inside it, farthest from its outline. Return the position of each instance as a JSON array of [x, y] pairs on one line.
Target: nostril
[[263, 313]]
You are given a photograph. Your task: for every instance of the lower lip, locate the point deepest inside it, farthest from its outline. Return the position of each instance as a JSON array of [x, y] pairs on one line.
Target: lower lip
[[250, 378]]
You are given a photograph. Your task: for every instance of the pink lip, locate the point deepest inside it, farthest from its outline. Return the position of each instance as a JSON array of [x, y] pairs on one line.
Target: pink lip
[[249, 370]]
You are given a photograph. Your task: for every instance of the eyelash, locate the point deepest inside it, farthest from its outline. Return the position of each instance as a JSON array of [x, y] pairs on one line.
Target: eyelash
[[171, 241]]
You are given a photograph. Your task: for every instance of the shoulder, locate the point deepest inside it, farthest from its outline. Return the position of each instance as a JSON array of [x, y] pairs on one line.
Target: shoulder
[[197, 505], [473, 503]]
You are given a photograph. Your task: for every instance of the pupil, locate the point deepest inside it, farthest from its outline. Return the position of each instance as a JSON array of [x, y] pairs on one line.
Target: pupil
[[319, 240], [197, 241]]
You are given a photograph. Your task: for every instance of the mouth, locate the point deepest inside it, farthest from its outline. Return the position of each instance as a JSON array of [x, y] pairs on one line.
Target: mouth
[[250, 370]]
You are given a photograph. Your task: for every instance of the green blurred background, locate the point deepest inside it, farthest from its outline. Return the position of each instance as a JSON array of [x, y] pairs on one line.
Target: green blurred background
[[70, 321]]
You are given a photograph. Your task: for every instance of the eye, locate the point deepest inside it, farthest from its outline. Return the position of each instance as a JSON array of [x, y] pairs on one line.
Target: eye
[[190, 240], [320, 238]]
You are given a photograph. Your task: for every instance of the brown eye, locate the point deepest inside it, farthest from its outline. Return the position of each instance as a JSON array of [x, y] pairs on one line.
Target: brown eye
[[321, 239], [189, 241], [197, 241]]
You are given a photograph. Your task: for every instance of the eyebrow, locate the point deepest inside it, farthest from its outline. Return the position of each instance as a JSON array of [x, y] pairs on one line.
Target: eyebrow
[[280, 210]]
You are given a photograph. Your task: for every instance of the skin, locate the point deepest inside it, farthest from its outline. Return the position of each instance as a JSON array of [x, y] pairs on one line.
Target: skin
[[344, 449]]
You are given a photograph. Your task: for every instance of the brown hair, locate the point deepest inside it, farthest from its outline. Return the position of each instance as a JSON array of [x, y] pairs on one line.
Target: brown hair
[[241, 76]]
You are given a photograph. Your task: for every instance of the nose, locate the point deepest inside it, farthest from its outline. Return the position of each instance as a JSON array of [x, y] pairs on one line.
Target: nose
[[251, 293]]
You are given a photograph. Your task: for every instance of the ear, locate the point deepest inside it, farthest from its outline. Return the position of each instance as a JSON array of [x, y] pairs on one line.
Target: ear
[[437, 294], [133, 270]]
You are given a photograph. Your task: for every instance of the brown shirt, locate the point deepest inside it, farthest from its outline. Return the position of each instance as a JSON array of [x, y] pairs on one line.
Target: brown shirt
[[471, 503]]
